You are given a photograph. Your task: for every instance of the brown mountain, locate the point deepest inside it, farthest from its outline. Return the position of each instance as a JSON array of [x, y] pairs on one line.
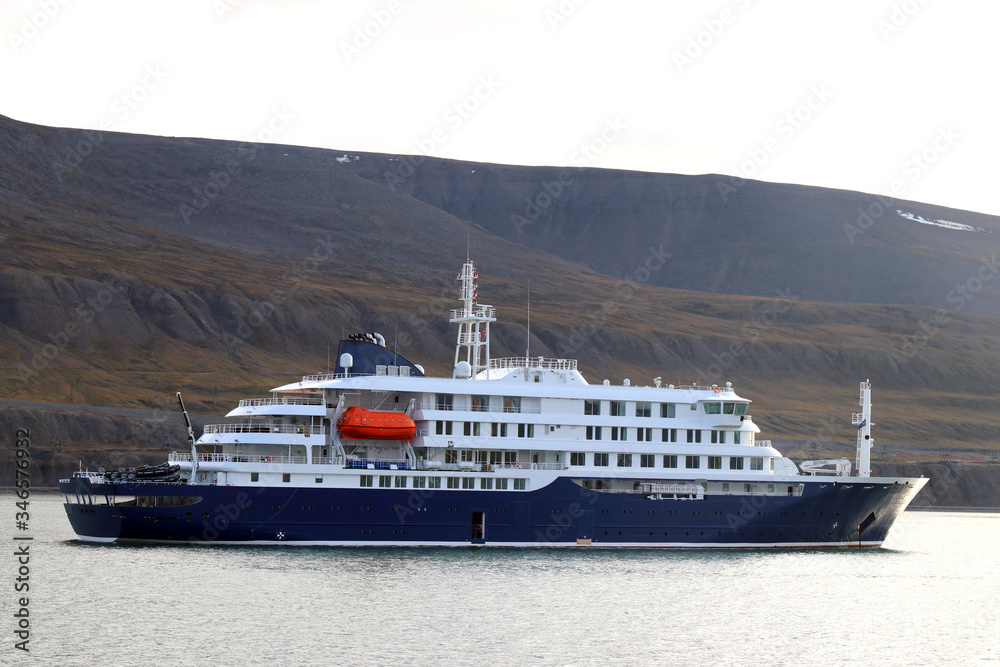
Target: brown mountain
[[134, 266]]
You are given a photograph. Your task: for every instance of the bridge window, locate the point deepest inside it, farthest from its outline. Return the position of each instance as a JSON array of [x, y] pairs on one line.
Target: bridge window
[[713, 408]]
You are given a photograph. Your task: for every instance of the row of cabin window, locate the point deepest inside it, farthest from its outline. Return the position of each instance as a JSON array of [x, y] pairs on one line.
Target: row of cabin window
[[479, 456], [400, 482], [617, 433], [593, 406], [666, 410], [669, 461], [497, 430], [666, 434], [477, 403]]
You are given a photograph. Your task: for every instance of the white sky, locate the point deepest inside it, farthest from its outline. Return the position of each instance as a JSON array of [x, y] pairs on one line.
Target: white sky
[[886, 80]]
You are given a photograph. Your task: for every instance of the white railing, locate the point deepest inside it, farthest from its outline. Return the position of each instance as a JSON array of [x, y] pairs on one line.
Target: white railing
[[265, 428], [510, 409], [254, 458], [261, 402], [533, 362], [762, 443], [517, 465]]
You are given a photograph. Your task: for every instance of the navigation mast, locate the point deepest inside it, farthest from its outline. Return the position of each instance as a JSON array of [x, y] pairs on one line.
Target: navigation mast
[[472, 351], [863, 420]]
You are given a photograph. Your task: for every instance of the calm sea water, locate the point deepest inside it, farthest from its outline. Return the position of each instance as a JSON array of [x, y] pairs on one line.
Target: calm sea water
[[931, 597]]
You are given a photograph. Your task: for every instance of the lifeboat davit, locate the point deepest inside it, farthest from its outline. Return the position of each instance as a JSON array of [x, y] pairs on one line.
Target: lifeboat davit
[[362, 424]]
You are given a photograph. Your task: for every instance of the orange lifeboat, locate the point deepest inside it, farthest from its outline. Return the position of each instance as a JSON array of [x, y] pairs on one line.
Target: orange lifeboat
[[362, 424]]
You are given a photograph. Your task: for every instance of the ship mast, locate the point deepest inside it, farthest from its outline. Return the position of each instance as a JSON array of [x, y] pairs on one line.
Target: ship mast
[[473, 319], [863, 420]]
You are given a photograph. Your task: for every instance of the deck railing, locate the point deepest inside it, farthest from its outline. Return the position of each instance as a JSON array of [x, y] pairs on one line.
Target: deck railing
[[261, 402], [298, 429], [533, 362], [509, 409], [253, 458]]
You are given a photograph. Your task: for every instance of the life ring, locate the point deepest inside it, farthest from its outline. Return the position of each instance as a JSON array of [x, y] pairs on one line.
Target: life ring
[[515, 464], [716, 389], [270, 457]]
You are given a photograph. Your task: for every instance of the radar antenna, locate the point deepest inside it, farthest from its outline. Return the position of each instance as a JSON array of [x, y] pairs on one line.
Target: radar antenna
[[472, 351]]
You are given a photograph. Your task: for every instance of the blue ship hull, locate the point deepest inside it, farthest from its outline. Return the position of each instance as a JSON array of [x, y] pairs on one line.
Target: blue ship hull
[[830, 512]]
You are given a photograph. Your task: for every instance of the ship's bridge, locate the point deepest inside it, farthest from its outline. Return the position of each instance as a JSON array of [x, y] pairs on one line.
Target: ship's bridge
[[533, 369]]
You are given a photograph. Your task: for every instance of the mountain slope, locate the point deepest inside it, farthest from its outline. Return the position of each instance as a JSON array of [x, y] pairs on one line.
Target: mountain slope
[[112, 293], [723, 235]]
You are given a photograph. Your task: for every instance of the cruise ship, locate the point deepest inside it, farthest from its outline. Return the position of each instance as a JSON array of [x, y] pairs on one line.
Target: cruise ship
[[512, 452]]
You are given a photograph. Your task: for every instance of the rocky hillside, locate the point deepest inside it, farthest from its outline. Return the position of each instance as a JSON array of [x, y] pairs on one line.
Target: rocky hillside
[[722, 235], [134, 266]]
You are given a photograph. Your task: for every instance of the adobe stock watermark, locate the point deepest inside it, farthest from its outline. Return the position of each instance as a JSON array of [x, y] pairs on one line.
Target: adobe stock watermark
[[625, 289], [453, 118], [33, 23], [581, 157], [298, 273], [123, 106], [561, 12], [750, 332], [899, 16], [959, 297], [786, 127], [217, 181], [365, 34], [710, 31], [914, 167], [224, 7], [83, 314]]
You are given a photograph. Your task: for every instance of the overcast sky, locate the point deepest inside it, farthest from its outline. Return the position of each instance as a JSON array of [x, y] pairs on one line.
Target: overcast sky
[[858, 94]]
